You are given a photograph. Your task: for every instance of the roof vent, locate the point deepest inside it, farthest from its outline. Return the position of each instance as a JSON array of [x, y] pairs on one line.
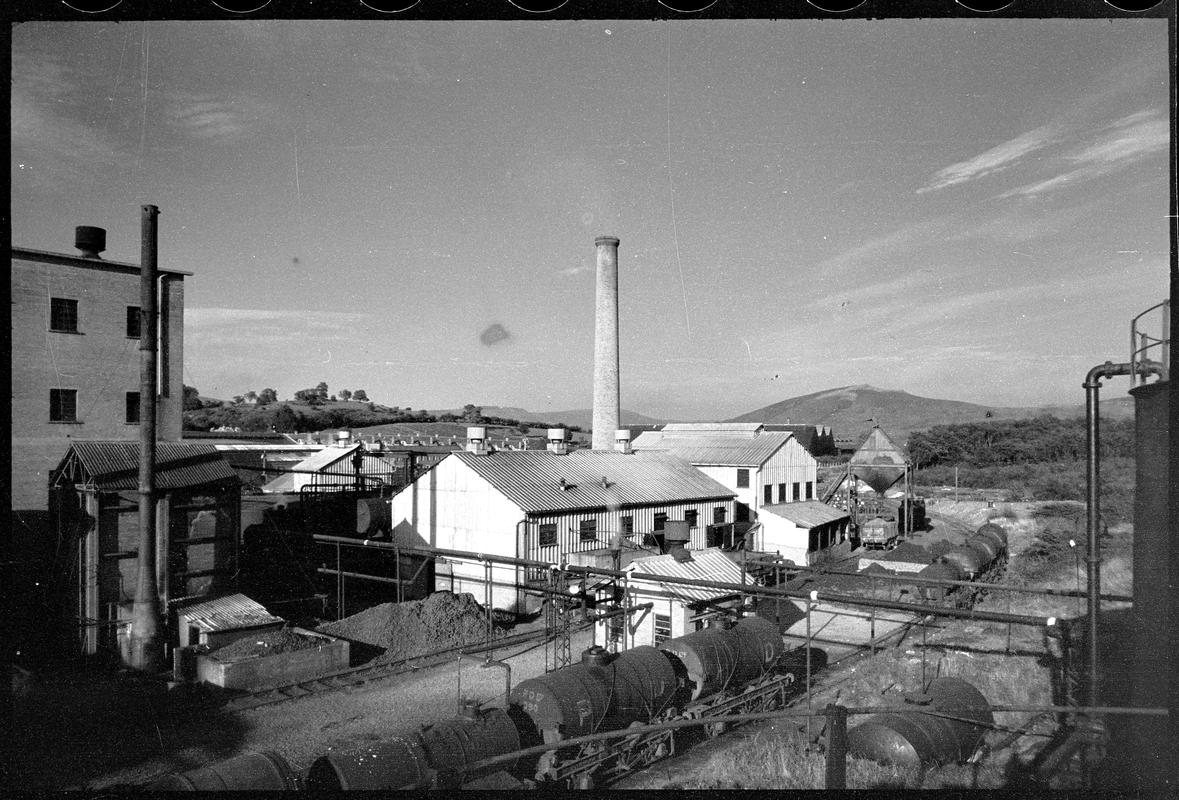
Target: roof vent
[[343, 438], [90, 240], [557, 442], [676, 534], [622, 441], [477, 441]]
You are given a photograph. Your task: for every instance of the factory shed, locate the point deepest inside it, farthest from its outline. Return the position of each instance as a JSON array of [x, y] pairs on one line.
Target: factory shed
[[806, 533], [679, 610], [223, 620], [95, 492], [760, 466], [336, 468], [546, 505]]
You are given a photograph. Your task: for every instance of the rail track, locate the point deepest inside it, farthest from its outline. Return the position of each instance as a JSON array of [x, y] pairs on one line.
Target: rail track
[[367, 673]]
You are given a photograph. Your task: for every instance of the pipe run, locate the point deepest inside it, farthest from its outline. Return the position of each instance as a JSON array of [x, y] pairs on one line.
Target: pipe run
[[1092, 386]]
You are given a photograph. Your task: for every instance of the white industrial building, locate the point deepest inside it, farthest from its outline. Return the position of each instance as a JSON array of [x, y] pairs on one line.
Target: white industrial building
[[809, 532], [761, 466], [676, 609], [548, 505]]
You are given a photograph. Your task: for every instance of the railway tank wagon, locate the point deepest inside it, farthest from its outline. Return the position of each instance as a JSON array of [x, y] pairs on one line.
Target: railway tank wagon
[[980, 559]]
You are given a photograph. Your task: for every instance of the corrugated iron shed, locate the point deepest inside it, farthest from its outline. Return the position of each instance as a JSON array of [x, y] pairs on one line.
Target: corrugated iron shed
[[706, 565], [806, 513], [745, 429], [532, 479], [227, 613], [114, 466], [720, 450]]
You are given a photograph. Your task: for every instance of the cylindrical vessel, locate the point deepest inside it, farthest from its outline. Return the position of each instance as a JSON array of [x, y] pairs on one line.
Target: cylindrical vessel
[[986, 549], [643, 683], [573, 701], [947, 729], [997, 530], [453, 746], [966, 559], [250, 772], [398, 763], [941, 570], [759, 647], [372, 514], [708, 658], [606, 411]]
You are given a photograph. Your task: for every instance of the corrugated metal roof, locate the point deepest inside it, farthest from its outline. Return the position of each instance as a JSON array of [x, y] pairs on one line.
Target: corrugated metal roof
[[227, 613], [806, 513], [746, 429], [114, 466], [718, 449], [706, 565], [531, 479]]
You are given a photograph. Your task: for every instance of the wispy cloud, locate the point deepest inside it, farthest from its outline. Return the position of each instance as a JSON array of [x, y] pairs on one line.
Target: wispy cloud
[[293, 329], [206, 117], [997, 158], [1119, 144]]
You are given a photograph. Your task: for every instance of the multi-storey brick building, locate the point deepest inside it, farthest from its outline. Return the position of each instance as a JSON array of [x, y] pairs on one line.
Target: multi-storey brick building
[[75, 360]]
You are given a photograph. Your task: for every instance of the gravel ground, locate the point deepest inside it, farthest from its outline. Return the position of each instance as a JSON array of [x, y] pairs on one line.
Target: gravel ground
[[99, 733]]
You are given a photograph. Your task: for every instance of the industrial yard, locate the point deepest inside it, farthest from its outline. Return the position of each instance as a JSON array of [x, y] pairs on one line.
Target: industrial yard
[[238, 559]]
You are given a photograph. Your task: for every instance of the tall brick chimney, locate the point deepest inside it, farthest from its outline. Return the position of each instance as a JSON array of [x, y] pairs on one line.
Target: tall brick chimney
[[606, 397]]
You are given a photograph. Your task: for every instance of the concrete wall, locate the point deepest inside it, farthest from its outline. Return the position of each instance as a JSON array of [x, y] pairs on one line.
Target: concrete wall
[[99, 361], [789, 465]]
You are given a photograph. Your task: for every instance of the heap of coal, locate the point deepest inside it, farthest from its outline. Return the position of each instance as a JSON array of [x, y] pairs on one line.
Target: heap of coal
[[405, 630], [268, 643]]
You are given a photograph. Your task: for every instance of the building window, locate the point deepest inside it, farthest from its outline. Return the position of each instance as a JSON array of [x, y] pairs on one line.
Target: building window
[[767, 492], [133, 322], [63, 315], [628, 524], [797, 490], [810, 490], [662, 628], [691, 516], [660, 520], [132, 408], [588, 529], [781, 493], [63, 405], [742, 479], [742, 512], [718, 515], [548, 534]]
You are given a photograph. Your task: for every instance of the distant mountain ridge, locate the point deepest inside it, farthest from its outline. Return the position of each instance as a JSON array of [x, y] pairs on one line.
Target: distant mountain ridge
[[851, 410]]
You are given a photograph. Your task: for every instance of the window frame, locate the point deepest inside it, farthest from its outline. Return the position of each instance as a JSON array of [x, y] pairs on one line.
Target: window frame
[[692, 517], [742, 477], [128, 407], [56, 395], [588, 525], [797, 491], [69, 310], [542, 532], [781, 493], [659, 521], [810, 490], [626, 524], [662, 628], [134, 322], [767, 494]]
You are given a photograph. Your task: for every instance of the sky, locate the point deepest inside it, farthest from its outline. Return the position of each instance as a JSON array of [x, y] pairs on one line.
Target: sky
[[962, 209]]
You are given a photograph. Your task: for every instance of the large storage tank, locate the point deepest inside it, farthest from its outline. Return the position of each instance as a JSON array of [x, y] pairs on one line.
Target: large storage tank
[[709, 659], [266, 771], [946, 726]]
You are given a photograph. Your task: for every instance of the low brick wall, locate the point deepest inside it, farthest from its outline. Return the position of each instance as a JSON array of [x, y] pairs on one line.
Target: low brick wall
[[260, 672]]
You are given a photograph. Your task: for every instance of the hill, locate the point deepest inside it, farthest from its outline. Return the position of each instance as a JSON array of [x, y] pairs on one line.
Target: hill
[[850, 410], [581, 417]]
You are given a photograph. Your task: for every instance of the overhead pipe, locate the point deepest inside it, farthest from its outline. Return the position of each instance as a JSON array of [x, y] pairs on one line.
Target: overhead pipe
[[1092, 386], [146, 652]]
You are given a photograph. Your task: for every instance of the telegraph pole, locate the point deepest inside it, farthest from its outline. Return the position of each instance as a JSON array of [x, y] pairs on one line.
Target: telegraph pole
[[146, 650]]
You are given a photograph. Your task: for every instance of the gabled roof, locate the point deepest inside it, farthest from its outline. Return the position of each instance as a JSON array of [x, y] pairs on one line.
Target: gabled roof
[[706, 565], [718, 449], [114, 466], [532, 479], [227, 613], [806, 513]]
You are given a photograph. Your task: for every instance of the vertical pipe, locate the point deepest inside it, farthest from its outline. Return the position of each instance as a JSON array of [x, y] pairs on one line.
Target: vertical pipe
[[606, 393], [146, 653], [1093, 496]]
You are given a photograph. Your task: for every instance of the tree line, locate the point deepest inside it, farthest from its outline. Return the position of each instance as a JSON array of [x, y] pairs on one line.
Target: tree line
[[1044, 439]]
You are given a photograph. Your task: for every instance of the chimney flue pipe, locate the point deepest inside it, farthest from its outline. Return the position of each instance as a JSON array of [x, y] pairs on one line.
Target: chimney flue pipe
[[606, 396], [146, 650]]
